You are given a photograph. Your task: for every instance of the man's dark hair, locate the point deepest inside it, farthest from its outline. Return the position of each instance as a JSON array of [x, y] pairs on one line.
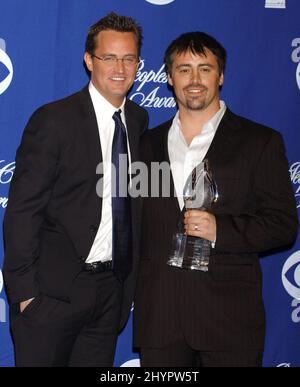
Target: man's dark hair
[[196, 42], [115, 22]]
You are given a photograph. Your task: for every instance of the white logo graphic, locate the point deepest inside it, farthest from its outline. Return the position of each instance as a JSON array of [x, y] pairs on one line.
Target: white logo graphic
[[132, 363], [292, 289], [3, 202], [285, 365], [152, 99], [295, 178], [5, 60], [6, 172], [2, 302], [1, 281], [275, 4], [298, 75], [160, 2], [296, 312], [296, 58]]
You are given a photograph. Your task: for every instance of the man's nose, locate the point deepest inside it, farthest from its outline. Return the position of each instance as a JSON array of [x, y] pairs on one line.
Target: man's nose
[[120, 65], [195, 76]]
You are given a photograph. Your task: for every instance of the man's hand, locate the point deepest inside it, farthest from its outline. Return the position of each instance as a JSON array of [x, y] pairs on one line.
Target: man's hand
[[24, 304], [201, 224]]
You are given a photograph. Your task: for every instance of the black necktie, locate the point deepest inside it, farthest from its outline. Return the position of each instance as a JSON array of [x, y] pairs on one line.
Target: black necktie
[[121, 209]]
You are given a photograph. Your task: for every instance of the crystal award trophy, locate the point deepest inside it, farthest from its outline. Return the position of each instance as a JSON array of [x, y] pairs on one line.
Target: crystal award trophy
[[199, 192]]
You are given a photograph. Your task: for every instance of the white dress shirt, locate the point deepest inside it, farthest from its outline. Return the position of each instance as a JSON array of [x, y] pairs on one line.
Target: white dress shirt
[[102, 247], [184, 157]]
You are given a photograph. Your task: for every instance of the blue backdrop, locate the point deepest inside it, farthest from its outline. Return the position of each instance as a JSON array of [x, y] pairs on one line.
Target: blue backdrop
[[41, 59]]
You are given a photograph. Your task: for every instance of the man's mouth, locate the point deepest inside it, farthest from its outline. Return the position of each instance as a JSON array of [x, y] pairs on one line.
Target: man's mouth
[[195, 89], [118, 79]]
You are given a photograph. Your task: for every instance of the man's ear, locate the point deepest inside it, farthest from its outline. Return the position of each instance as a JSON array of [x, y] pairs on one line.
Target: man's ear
[[170, 80], [88, 61], [221, 81]]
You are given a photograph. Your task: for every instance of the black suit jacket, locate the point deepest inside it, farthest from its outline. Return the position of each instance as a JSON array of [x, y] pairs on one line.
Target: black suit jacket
[[221, 310], [54, 211]]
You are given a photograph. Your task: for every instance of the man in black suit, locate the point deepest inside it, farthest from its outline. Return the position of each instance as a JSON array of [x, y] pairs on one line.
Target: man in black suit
[[70, 236], [214, 318]]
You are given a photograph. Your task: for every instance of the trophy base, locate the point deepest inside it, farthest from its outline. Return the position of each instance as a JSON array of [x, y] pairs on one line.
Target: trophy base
[[201, 266], [175, 262], [190, 253]]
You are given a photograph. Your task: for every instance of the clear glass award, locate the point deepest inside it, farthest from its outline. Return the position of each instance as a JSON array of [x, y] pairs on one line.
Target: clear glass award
[[200, 192]]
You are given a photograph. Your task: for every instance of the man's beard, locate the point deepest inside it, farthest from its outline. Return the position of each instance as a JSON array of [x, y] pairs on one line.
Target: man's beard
[[197, 102], [196, 105]]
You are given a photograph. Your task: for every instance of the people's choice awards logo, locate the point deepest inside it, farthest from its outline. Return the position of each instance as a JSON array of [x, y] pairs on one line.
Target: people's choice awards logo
[[296, 58], [160, 2], [2, 302], [151, 99], [6, 68], [295, 178]]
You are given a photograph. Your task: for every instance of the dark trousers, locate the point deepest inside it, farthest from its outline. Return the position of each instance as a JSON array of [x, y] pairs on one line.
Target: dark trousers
[[180, 354], [83, 332]]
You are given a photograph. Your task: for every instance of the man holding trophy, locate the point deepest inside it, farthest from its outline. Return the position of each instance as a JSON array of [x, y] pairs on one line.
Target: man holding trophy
[[199, 292]]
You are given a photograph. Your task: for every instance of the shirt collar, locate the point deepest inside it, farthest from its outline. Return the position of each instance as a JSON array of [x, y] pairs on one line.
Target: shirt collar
[[103, 108], [213, 123], [209, 126]]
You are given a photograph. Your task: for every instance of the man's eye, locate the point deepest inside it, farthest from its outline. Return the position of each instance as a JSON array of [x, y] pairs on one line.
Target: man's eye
[[108, 58], [129, 60], [184, 71]]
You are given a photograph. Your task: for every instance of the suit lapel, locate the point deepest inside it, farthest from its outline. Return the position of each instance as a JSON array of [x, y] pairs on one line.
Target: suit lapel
[[90, 127], [223, 141], [164, 156]]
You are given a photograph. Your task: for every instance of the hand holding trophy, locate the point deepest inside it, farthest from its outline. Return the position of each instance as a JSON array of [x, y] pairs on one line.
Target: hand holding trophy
[[200, 192]]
